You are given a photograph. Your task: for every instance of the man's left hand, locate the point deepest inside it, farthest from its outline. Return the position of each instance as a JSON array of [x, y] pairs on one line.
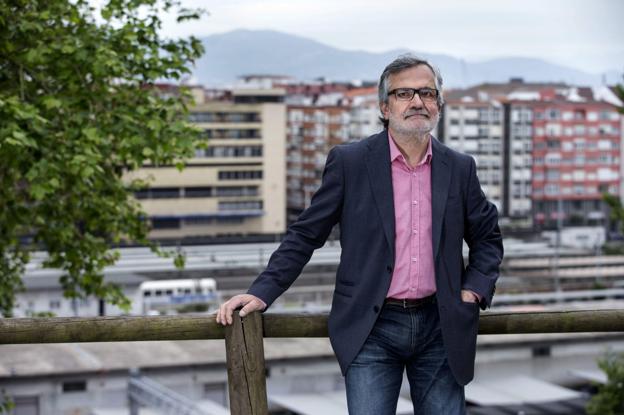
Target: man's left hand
[[468, 296]]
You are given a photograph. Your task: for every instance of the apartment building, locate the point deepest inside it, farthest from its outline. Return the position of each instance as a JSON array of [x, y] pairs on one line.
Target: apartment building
[[576, 157], [475, 126], [312, 132], [320, 117], [233, 189], [543, 151]]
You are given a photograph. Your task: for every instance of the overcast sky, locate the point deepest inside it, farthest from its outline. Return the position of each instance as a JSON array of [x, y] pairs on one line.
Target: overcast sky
[[585, 34]]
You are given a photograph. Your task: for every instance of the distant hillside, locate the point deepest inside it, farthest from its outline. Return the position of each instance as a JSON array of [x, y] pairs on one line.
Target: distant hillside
[[242, 52]]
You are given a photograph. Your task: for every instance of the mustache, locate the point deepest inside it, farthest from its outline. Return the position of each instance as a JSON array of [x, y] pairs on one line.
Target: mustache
[[415, 112]]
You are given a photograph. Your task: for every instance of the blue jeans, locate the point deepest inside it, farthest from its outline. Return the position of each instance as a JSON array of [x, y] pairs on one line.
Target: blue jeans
[[404, 339]]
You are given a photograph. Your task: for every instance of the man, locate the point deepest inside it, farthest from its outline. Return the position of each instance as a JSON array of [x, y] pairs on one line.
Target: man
[[404, 300]]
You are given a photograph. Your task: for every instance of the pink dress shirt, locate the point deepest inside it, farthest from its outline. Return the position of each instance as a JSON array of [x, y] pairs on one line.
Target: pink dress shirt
[[414, 272]]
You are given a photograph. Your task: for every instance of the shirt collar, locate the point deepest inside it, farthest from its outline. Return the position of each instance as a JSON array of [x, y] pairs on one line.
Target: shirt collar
[[396, 153]]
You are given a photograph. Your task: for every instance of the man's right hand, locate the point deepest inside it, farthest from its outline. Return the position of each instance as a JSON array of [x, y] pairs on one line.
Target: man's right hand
[[250, 303]]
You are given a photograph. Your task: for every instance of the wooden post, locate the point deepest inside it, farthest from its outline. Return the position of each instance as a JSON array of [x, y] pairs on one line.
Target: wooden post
[[245, 365]]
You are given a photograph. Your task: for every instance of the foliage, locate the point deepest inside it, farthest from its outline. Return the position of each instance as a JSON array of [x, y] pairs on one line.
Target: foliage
[[78, 113], [610, 397], [40, 314], [6, 403], [615, 205]]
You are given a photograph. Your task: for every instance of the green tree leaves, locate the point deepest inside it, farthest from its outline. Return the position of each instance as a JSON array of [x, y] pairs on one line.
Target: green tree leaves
[[78, 111], [610, 397]]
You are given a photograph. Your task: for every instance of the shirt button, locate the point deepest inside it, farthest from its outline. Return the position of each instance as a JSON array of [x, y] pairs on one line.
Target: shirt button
[[415, 174], [415, 232], [415, 202], [414, 259]]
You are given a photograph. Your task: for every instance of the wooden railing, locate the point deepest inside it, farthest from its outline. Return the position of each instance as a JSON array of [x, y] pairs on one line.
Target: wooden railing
[[243, 339]]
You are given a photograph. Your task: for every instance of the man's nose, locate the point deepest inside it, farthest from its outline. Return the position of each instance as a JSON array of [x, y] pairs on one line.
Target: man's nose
[[416, 100]]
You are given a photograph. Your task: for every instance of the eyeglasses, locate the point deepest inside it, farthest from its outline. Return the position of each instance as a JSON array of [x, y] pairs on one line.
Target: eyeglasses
[[407, 94]]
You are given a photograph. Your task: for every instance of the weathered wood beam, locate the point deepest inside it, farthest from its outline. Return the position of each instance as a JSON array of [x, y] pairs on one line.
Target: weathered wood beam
[[198, 327], [568, 321], [108, 329], [245, 365]]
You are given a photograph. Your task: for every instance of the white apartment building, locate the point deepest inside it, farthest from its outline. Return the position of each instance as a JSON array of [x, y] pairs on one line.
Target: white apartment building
[[235, 188]]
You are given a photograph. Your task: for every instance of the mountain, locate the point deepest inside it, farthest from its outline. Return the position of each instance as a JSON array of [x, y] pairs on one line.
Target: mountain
[[243, 52]]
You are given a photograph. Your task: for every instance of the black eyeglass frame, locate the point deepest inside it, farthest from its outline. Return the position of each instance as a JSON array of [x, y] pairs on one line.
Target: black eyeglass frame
[[415, 91]]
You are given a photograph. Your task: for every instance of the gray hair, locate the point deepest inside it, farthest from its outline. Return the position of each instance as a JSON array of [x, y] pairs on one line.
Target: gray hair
[[400, 64]]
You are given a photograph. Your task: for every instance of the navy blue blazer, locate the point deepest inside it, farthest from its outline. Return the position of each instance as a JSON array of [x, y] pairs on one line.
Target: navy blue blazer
[[356, 192]]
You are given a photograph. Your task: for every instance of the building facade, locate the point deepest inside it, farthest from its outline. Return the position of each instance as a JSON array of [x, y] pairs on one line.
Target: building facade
[[576, 159], [235, 187], [545, 153]]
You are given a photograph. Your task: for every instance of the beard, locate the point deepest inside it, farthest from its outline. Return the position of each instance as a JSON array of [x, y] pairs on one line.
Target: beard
[[413, 123]]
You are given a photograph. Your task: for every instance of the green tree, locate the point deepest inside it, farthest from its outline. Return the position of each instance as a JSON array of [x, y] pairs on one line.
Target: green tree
[[6, 403], [78, 113], [610, 397]]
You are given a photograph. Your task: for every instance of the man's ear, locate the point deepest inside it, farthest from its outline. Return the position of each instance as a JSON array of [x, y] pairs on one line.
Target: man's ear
[[383, 107]]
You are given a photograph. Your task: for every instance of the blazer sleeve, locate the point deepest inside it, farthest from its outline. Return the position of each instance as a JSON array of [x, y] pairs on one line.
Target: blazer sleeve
[[484, 239], [308, 233]]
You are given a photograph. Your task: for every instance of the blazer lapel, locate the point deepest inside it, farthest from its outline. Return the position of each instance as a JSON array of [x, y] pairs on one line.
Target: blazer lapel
[[380, 175], [440, 180]]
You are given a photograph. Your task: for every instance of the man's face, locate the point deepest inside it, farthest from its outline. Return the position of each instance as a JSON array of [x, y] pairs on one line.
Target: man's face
[[415, 116]]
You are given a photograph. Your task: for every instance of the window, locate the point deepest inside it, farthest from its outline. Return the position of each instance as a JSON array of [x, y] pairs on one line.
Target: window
[[142, 194], [552, 175], [553, 114], [55, 304], [551, 189], [232, 151], [240, 175], [75, 386], [199, 221], [553, 144], [240, 205], [237, 191], [165, 223], [554, 158], [238, 133], [164, 193], [198, 191], [232, 117], [158, 193]]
